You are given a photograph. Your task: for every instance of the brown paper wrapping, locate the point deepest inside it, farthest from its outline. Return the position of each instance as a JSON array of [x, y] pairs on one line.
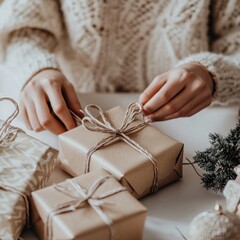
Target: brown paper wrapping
[[26, 165], [126, 212], [130, 167]]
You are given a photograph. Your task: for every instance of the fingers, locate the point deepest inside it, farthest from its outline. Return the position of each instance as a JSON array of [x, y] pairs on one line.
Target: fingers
[[198, 107], [45, 117], [36, 115], [72, 99], [32, 116], [59, 106], [25, 116], [152, 89], [180, 100], [193, 106], [170, 89], [49, 86], [185, 91]]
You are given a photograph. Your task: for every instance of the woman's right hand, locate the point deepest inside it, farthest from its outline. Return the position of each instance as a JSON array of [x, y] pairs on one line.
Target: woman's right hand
[[46, 100]]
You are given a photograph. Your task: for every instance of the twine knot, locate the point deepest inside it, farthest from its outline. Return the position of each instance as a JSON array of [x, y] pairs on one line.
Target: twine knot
[[80, 198], [117, 133], [101, 124]]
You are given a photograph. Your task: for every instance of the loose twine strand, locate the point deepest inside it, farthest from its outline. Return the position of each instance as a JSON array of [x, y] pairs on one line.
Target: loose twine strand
[[192, 164], [81, 196], [101, 124], [8, 134]]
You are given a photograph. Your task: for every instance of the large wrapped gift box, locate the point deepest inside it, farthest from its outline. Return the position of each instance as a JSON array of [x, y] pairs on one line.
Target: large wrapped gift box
[[132, 168], [25, 166], [79, 208]]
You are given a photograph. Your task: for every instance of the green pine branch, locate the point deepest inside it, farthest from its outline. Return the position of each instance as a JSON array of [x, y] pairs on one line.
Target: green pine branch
[[219, 160]]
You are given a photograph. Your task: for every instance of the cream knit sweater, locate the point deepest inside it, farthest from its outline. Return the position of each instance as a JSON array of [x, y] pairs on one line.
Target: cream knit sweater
[[121, 45]]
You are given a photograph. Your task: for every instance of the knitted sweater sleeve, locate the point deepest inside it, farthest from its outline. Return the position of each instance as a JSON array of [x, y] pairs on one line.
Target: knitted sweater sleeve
[[223, 58], [29, 33]]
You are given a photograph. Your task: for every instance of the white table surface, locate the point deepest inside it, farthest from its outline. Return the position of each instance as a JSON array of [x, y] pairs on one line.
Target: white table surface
[[176, 204]]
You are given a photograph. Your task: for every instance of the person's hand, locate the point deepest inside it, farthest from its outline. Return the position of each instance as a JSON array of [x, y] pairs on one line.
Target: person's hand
[[45, 100], [180, 92]]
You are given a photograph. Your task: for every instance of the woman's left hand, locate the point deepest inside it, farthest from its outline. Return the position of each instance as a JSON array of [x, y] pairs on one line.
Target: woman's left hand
[[180, 92]]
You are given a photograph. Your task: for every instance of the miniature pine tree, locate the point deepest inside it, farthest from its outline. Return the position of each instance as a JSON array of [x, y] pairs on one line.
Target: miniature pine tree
[[219, 160]]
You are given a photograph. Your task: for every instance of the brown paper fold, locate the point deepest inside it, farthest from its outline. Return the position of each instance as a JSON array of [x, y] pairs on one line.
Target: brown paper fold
[[132, 168], [84, 223]]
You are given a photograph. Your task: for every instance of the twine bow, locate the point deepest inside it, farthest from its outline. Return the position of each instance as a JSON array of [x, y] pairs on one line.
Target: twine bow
[[8, 134], [81, 197], [102, 125]]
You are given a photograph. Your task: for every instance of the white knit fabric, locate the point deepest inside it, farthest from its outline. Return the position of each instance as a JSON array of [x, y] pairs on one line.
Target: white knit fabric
[[119, 45]]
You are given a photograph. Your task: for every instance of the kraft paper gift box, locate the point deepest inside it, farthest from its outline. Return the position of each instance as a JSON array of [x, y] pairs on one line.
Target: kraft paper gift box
[[109, 212], [25, 166], [132, 168]]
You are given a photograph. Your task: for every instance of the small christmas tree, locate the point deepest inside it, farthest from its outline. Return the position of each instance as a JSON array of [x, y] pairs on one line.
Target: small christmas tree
[[219, 160]]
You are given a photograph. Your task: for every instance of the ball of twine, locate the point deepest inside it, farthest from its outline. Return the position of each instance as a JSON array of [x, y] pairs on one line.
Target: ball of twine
[[215, 225]]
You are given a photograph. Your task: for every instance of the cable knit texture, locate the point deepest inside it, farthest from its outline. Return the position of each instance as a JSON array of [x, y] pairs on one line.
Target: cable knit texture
[[118, 45]]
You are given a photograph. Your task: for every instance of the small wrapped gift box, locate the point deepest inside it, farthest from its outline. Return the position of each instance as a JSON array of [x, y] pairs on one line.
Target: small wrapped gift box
[[137, 154], [25, 166], [91, 206]]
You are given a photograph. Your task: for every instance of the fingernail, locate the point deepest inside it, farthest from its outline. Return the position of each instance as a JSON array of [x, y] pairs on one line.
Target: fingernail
[[145, 113], [146, 110], [148, 119], [82, 112]]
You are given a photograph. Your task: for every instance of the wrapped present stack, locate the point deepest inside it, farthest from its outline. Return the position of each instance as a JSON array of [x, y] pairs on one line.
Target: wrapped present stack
[[113, 157], [25, 166]]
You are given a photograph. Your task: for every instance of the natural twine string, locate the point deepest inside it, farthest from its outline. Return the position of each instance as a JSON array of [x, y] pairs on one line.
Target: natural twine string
[[192, 164], [8, 134], [77, 119], [101, 124], [81, 196]]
